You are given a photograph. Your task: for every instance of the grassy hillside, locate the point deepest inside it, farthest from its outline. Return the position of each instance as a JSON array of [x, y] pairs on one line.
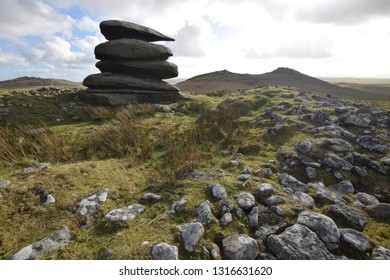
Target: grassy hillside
[[173, 151], [35, 83]]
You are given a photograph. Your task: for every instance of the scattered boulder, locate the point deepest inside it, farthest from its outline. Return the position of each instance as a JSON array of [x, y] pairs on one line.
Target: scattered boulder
[[323, 226], [151, 197], [244, 177], [265, 231], [38, 250], [164, 251], [304, 146], [204, 213], [177, 205], [4, 184], [191, 234], [340, 145], [304, 199], [240, 247], [298, 243], [44, 196], [274, 200], [345, 216], [381, 253], [336, 162], [371, 144], [218, 191], [89, 206], [385, 160], [125, 214], [254, 217], [360, 121], [39, 166], [311, 172], [245, 200], [226, 219], [354, 243], [380, 211], [289, 181], [327, 197], [366, 198], [215, 252], [344, 187], [263, 191], [320, 117]]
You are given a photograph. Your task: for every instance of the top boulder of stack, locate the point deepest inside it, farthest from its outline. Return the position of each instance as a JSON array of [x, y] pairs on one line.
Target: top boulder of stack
[[116, 29]]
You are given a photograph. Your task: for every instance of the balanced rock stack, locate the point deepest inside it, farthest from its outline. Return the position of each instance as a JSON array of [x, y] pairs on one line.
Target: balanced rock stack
[[132, 67]]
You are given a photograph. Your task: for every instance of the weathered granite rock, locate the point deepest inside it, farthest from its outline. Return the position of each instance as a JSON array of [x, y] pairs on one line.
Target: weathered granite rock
[[274, 200], [354, 243], [244, 177], [263, 191], [265, 231], [89, 206], [245, 200], [116, 29], [360, 121], [191, 234], [385, 160], [366, 198], [254, 217], [218, 191], [346, 216], [340, 145], [311, 172], [298, 243], [160, 69], [327, 197], [304, 199], [381, 253], [336, 162], [45, 197], [371, 144], [164, 251], [289, 181], [177, 205], [240, 247], [204, 213], [125, 214], [4, 183], [34, 167], [304, 146], [380, 211], [344, 187], [151, 197], [226, 219], [38, 250], [320, 117], [226, 207], [323, 226]]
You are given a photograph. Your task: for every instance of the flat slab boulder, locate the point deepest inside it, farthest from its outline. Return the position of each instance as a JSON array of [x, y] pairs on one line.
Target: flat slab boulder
[[240, 247], [131, 49], [298, 243], [323, 226], [125, 214], [51, 243], [159, 69], [346, 216], [191, 234], [289, 181], [127, 83], [116, 29], [90, 205]]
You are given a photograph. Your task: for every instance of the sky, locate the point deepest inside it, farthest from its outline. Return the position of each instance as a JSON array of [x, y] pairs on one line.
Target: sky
[[321, 38]]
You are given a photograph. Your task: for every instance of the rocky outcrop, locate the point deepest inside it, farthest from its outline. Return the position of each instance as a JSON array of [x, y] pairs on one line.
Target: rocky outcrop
[[131, 66]]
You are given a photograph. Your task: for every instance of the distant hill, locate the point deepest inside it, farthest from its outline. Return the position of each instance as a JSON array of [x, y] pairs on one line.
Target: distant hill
[[30, 82], [225, 80]]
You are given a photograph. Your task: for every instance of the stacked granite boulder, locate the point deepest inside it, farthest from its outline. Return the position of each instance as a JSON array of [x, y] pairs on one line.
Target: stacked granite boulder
[[132, 68]]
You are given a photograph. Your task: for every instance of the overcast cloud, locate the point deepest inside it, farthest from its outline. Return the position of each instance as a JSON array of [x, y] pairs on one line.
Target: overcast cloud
[[56, 38]]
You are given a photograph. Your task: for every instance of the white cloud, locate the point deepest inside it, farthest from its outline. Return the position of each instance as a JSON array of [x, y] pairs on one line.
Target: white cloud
[[7, 58]]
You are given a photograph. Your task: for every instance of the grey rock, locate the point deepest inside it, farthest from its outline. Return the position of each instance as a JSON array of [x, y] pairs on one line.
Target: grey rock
[[89, 206], [131, 49], [358, 204], [44, 196], [218, 191], [151, 197], [304, 199], [385, 160], [345, 216], [320, 117], [254, 217], [215, 252], [4, 183], [125, 214], [360, 121], [164, 251], [245, 200], [127, 83], [336, 162], [361, 171], [380, 211], [169, 214], [341, 145], [39, 166], [366, 198], [355, 242], [298, 243], [338, 175], [246, 170], [344, 187], [377, 167], [381, 253], [1, 197], [274, 200], [177, 205], [55, 241], [268, 172], [234, 162], [116, 29], [289, 191], [304, 146], [240, 247], [156, 68], [240, 213], [289, 181], [311, 164], [371, 144], [244, 177], [263, 191], [323, 226], [49, 200], [226, 219], [191, 234], [265, 231], [276, 210], [327, 197], [204, 213], [311, 173], [227, 207], [162, 108]]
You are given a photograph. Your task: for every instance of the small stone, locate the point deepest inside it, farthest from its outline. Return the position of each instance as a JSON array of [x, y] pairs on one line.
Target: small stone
[[215, 252], [244, 177], [151, 197], [304, 199], [106, 255], [327, 197], [89, 206], [371, 144], [381, 253], [240, 247], [311, 173], [245, 200], [164, 251], [227, 207], [125, 214], [265, 231], [320, 117], [240, 213], [234, 162], [274, 200], [218, 191], [204, 213], [289, 181], [380, 211], [4, 183], [177, 205], [49, 200], [276, 210], [263, 191], [254, 217], [191, 234], [246, 170], [226, 219], [268, 172]]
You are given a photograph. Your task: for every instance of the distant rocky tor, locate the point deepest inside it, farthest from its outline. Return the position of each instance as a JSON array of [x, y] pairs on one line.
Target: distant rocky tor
[[131, 67]]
